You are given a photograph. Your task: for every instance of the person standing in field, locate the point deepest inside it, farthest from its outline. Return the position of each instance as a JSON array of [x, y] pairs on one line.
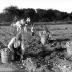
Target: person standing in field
[[19, 25], [16, 26], [32, 26], [23, 25]]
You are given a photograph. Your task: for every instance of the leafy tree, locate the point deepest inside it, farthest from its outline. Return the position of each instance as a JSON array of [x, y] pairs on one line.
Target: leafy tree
[[39, 15]]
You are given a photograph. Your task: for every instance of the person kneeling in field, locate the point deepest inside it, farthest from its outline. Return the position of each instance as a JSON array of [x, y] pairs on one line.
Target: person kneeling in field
[[48, 35], [15, 46], [42, 35], [45, 36]]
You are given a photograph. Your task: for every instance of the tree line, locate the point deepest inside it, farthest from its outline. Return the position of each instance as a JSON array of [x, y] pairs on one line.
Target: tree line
[[36, 15]]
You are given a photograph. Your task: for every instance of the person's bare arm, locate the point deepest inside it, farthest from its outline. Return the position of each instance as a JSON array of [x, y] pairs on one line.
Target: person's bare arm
[[11, 43]]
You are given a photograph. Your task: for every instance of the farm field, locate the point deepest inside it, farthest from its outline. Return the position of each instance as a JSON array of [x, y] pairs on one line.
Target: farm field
[[63, 31], [58, 31]]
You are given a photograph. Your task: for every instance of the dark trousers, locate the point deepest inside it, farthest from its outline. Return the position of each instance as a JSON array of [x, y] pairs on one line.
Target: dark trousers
[[17, 54], [33, 33]]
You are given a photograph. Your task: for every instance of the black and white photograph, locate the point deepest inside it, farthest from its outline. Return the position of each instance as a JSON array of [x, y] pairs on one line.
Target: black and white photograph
[[35, 35]]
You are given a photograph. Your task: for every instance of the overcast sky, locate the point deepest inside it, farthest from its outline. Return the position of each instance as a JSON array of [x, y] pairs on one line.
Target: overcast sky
[[62, 5]]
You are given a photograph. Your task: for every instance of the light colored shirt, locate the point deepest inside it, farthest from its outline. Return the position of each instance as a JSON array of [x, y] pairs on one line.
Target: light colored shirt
[[25, 29], [11, 42], [32, 29], [14, 42]]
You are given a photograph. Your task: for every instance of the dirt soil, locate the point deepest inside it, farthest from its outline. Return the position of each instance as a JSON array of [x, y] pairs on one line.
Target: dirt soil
[[11, 67]]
